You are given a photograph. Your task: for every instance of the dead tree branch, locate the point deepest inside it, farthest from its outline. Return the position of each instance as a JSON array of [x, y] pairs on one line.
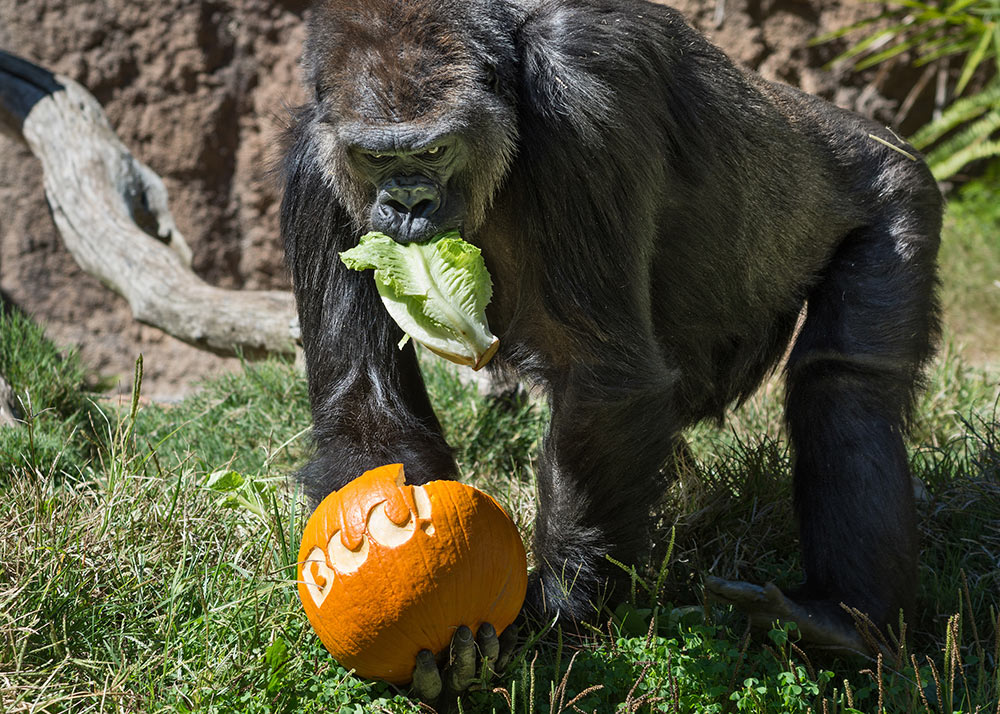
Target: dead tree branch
[[8, 408], [111, 210]]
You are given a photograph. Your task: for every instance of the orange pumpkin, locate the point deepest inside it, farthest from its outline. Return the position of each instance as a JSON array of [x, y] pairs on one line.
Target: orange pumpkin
[[386, 570]]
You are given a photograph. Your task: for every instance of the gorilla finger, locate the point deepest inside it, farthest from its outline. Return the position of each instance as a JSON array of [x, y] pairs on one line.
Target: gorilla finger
[[508, 643], [489, 648], [461, 670], [734, 592], [774, 605], [782, 604], [768, 603], [426, 678], [764, 604]]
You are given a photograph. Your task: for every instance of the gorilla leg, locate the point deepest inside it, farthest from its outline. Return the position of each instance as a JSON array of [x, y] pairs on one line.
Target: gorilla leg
[[870, 326], [598, 483]]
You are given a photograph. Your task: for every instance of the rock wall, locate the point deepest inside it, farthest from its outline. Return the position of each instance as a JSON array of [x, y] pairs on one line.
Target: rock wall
[[200, 92]]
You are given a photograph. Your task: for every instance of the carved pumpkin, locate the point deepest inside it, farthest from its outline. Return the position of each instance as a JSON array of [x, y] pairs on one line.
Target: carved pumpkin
[[386, 570]]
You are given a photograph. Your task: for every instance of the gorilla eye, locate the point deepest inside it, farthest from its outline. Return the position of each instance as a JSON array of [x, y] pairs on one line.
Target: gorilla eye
[[377, 160], [432, 154]]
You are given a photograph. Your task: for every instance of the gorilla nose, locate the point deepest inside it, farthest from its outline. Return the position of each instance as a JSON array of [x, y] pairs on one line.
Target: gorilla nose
[[412, 197], [407, 208]]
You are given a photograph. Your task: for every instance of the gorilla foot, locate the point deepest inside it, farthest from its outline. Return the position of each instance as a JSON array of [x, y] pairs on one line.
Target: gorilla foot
[[820, 622]]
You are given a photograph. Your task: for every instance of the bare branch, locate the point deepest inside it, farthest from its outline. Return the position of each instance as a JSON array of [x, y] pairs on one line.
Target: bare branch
[[8, 407], [111, 210]]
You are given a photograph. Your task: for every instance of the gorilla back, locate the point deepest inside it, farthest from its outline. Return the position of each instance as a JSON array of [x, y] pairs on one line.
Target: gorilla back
[[654, 219]]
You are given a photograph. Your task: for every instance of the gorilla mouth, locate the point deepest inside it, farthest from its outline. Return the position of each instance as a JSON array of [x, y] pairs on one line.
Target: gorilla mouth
[[417, 225], [409, 228]]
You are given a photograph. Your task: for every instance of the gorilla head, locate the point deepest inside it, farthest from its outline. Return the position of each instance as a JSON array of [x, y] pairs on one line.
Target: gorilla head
[[415, 131]]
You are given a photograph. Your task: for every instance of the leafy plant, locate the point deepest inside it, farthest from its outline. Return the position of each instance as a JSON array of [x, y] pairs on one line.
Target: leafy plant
[[934, 32], [51, 396], [974, 121]]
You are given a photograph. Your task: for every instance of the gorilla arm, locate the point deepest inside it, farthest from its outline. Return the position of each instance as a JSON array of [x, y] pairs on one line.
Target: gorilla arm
[[369, 403], [368, 399]]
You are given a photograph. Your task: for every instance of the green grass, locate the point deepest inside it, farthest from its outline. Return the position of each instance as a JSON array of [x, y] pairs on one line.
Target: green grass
[[970, 269], [52, 394], [147, 551]]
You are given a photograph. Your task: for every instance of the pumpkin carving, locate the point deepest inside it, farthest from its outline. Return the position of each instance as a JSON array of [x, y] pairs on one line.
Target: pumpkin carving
[[386, 570]]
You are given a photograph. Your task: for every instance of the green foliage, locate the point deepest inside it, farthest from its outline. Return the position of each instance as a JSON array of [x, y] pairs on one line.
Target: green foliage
[[252, 421], [970, 268], [161, 577], [160, 583], [51, 391], [967, 131], [931, 31], [934, 31], [675, 667]]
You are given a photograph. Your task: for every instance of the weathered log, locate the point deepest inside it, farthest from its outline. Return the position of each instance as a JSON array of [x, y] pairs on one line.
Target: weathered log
[[112, 213], [8, 405]]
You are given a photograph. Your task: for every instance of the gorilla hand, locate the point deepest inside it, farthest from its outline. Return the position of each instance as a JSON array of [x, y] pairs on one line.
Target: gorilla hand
[[469, 662]]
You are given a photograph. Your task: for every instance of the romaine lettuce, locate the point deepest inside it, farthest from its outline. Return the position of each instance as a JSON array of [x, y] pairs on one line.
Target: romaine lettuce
[[436, 292]]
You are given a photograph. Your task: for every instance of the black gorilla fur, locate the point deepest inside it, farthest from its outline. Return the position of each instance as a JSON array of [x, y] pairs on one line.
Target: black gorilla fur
[[654, 219]]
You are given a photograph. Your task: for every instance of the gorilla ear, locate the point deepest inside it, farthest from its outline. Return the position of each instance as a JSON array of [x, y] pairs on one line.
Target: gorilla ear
[[493, 78], [553, 46]]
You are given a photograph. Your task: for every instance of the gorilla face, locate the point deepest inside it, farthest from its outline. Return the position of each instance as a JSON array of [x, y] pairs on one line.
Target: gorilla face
[[415, 127], [415, 188]]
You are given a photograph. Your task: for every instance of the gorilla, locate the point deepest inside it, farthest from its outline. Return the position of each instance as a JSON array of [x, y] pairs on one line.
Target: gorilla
[[655, 220]]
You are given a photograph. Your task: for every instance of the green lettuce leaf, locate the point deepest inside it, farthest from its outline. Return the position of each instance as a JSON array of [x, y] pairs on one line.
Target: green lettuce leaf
[[436, 292]]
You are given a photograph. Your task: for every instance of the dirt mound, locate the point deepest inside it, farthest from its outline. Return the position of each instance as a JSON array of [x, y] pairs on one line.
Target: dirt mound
[[200, 91]]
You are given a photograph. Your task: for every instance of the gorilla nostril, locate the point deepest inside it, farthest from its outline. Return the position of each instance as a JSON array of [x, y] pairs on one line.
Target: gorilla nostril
[[396, 206], [422, 209]]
